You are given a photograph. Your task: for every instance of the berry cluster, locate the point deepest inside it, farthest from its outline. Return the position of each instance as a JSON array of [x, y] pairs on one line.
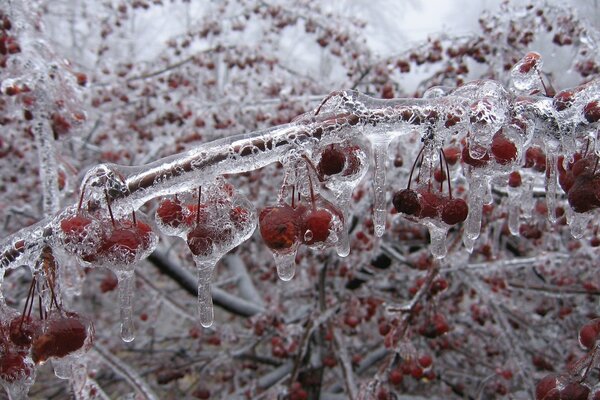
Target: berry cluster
[[580, 180], [427, 203]]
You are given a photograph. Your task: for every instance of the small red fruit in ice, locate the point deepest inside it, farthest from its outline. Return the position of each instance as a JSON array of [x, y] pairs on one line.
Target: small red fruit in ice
[[279, 227], [455, 211]]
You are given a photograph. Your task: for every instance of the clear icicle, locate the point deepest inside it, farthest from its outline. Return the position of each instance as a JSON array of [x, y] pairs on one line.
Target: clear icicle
[[48, 168], [578, 223], [205, 303], [437, 236], [379, 206], [126, 288], [476, 198], [469, 243], [286, 265], [514, 210], [343, 201], [551, 186]]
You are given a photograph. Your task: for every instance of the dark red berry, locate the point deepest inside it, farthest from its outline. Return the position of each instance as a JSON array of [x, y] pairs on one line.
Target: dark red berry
[[546, 389], [514, 179], [332, 161], [583, 195], [407, 201], [504, 150], [170, 213], [64, 335], [279, 227], [528, 62], [591, 111], [455, 211], [318, 222]]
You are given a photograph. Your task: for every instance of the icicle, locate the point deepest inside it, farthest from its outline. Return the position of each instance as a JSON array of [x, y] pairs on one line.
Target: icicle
[[379, 189], [577, 222], [205, 303], [62, 367], [126, 289], [343, 202], [437, 234], [551, 184], [514, 200], [476, 199], [48, 169], [286, 265], [469, 243]]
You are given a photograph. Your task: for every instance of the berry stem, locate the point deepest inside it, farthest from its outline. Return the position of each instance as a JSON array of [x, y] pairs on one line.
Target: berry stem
[[81, 198], [112, 218], [412, 169], [28, 302], [447, 173]]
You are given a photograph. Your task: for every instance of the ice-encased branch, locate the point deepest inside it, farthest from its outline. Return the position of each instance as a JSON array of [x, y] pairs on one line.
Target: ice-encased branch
[[342, 114]]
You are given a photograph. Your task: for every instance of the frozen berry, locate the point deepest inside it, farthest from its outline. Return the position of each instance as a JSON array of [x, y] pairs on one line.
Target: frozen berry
[[332, 161], [514, 179], [279, 227], [504, 150], [64, 335], [455, 211], [407, 201], [546, 389], [170, 213], [316, 226], [591, 111]]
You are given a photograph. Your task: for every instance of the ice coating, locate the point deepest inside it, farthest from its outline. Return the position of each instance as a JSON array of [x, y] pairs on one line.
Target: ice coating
[[379, 186], [213, 220]]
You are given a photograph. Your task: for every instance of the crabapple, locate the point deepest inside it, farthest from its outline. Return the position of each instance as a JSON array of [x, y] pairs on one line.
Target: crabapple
[[332, 161], [279, 227], [455, 211], [407, 201]]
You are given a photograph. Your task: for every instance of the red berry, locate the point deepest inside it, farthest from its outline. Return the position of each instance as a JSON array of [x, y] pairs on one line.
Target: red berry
[[395, 377], [583, 195], [563, 100], [75, 228], [474, 162], [588, 334], [13, 366], [23, 330], [504, 150], [591, 111], [332, 161], [434, 327], [514, 179], [425, 361], [528, 62], [407, 201], [574, 391], [546, 389], [201, 239], [63, 335], [279, 227], [125, 242], [318, 222], [455, 211], [431, 204], [170, 213]]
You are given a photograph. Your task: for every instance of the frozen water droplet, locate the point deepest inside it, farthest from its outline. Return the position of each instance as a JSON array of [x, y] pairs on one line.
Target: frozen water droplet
[[126, 289], [286, 265], [379, 189], [205, 302], [308, 235]]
